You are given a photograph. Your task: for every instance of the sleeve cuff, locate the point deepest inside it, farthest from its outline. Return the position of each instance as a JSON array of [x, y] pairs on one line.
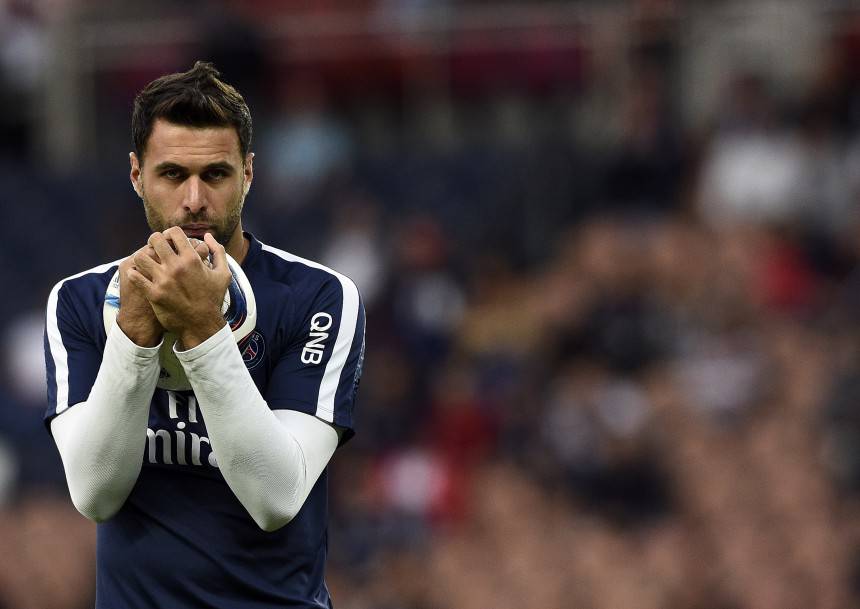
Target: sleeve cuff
[[208, 345], [121, 343]]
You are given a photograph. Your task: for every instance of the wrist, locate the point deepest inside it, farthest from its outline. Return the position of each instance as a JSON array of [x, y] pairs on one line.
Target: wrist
[[141, 334], [190, 337]]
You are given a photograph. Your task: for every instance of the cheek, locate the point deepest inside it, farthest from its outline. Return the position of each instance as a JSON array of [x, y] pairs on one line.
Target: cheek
[[227, 198], [164, 195], [154, 188], [160, 201]]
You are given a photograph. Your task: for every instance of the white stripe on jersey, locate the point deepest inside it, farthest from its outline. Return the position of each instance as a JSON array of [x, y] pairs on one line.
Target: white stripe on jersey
[[345, 334], [55, 339]]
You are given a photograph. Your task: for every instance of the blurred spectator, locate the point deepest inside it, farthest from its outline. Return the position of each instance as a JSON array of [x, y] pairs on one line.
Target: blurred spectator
[[304, 145], [356, 247], [234, 43], [754, 168], [644, 173], [23, 59]]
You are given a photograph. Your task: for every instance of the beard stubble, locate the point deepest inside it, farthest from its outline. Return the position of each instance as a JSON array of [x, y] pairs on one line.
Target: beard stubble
[[222, 230]]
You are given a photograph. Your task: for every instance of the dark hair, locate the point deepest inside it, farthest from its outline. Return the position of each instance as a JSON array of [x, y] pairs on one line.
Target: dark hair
[[197, 98]]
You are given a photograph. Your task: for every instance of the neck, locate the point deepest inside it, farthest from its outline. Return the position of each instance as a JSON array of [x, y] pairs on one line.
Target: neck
[[238, 245]]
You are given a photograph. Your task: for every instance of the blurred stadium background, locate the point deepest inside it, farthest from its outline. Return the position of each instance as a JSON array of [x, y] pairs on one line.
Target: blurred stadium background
[[609, 252]]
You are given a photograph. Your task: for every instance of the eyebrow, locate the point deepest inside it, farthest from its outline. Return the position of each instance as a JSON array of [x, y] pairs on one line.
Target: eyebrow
[[222, 165]]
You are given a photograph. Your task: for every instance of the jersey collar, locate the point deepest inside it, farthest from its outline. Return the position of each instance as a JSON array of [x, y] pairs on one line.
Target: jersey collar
[[254, 249]]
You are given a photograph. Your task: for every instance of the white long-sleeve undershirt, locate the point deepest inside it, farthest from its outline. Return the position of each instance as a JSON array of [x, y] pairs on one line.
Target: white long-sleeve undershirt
[[270, 459], [101, 440]]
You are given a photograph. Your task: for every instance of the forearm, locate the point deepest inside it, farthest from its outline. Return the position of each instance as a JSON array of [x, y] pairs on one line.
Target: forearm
[[101, 440], [269, 461]]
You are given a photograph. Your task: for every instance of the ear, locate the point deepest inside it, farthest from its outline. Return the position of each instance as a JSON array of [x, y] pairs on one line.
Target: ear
[[135, 174], [249, 171]]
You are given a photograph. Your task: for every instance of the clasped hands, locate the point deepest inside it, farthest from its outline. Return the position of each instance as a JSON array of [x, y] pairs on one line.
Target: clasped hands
[[166, 286]]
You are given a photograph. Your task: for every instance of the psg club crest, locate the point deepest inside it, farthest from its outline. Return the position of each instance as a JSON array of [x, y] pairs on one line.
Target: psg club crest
[[252, 348]]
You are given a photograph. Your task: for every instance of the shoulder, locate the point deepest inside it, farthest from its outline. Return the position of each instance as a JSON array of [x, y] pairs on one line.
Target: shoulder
[[307, 277], [91, 281], [94, 275]]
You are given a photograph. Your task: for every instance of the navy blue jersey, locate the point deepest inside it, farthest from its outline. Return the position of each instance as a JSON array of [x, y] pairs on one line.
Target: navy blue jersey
[[182, 539]]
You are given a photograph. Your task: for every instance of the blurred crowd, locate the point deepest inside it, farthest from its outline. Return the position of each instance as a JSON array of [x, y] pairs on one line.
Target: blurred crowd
[[613, 353]]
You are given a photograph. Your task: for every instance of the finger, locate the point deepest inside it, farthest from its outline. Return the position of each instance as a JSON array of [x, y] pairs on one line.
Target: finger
[[161, 246], [180, 241], [140, 281], [150, 251], [200, 247], [219, 254], [146, 251], [145, 265], [203, 251]]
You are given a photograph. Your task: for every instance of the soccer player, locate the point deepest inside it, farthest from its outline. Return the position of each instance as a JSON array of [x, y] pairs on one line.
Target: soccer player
[[214, 496]]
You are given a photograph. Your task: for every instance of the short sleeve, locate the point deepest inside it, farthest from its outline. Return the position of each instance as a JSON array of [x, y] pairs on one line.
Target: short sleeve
[[319, 371], [72, 353]]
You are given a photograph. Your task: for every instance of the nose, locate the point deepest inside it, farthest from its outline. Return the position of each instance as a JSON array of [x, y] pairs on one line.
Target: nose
[[195, 195]]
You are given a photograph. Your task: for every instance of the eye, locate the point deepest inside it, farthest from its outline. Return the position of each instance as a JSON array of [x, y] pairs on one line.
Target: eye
[[216, 174], [172, 174]]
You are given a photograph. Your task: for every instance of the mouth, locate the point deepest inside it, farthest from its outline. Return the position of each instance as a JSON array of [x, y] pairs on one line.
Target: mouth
[[196, 230]]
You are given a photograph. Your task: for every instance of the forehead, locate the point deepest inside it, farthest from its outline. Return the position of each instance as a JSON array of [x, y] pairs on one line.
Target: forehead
[[189, 146]]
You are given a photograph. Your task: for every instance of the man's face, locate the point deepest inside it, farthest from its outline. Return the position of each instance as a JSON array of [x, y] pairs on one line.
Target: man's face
[[194, 178]]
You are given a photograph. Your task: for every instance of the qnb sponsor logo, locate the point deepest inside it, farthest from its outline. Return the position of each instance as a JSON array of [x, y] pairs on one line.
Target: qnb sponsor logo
[[188, 448], [313, 351]]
